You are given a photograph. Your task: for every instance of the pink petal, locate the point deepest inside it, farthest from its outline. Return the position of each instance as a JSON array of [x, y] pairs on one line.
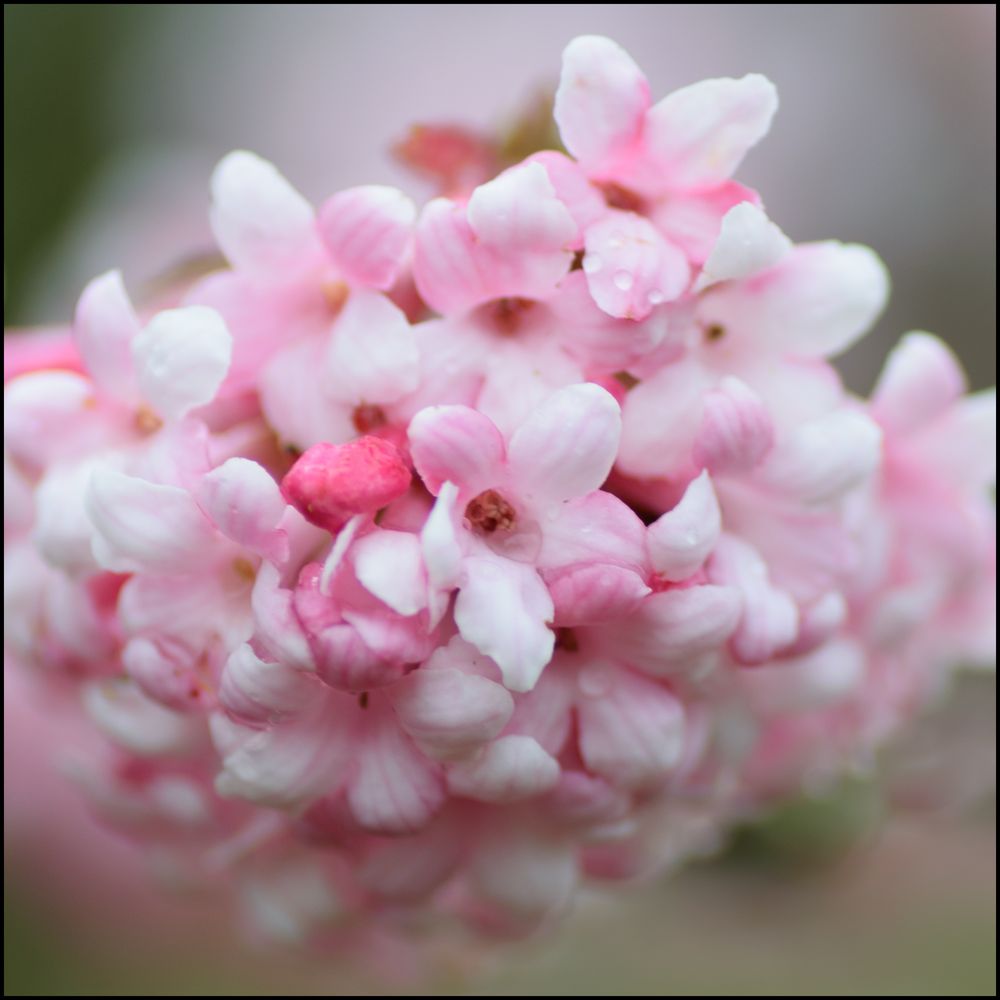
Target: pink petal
[[245, 504], [632, 730], [660, 419], [144, 527], [103, 329], [920, 380], [279, 632], [372, 355], [367, 231], [567, 446], [54, 415], [395, 789], [450, 713], [63, 531], [389, 565], [445, 260], [139, 725], [287, 766], [257, 691], [601, 102], [295, 402], [581, 198], [518, 211], [674, 630], [592, 593], [409, 868], [441, 551], [181, 359], [770, 618], [503, 609], [456, 444], [524, 870], [824, 458], [699, 135], [736, 431], [630, 267], [262, 224], [681, 540], [509, 769], [693, 220], [748, 243], [815, 303]]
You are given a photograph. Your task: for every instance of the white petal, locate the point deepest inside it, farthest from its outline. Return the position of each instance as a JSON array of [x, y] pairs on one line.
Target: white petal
[[509, 769], [144, 527], [680, 541], [748, 242], [246, 505], [181, 358], [390, 566], [103, 328], [261, 222], [567, 446], [502, 609], [372, 356]]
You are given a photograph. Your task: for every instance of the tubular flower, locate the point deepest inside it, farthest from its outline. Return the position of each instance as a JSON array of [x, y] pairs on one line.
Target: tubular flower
[[431, 562]]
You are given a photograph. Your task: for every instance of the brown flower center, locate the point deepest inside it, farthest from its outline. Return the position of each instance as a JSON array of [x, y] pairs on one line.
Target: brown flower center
[[489, 512], [368, 417]]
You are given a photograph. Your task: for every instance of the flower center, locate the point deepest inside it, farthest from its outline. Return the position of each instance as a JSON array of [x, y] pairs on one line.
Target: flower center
[[617, 196], [489, 512], [368, 417]]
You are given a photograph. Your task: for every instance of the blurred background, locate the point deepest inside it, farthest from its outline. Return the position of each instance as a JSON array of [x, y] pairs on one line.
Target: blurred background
[[113, 118]]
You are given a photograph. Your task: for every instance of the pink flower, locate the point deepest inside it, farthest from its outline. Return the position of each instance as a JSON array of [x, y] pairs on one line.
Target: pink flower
[[425, 564]]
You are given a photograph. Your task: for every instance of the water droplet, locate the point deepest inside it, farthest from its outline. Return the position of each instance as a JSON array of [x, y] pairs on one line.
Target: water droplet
[[655, 297], [592, 263], [623, 280]]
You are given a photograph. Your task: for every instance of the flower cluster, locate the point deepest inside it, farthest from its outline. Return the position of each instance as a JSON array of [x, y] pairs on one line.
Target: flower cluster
[[428, 562]]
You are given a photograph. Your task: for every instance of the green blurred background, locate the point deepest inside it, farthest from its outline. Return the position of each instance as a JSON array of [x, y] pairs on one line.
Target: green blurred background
[[114, 115]]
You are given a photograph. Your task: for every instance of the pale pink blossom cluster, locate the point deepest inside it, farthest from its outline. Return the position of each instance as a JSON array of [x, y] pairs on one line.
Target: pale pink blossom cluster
[[425, 563]]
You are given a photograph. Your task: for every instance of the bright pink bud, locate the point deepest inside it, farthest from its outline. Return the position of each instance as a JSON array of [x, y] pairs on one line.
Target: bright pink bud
[[330, 483]]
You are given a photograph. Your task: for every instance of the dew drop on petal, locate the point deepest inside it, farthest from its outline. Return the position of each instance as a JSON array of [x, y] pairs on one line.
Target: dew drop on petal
[[623, 280], [592, 263], [655, 297]]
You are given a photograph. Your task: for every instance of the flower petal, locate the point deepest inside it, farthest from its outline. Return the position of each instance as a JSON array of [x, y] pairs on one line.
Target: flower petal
[[261, 223], [389, 564], [681, 540], [449, 712], [591, 593], [503, 609], [632, 730], [698, 135], [814, 303], [770, 619], [736, 431], [257, 691], [372, 355], [144, 527], [675, 629], [456, 444], [748, 243], [920, 380], [103, 329], [367, 231], [181, 359], [395, 789], [141, 726], [246, 505], [509, 769], [824, 458], [567, 446], [630, 267], [601, 102]]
